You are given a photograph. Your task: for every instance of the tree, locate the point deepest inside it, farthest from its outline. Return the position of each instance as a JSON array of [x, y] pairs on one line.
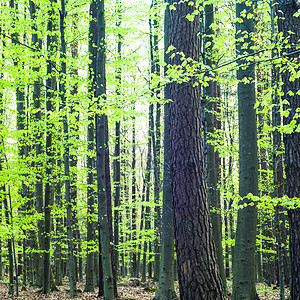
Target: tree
[[244, 274], [51, 86], [212, 167], [117, 152], [90, 267], [289, 25], [62, 92], [100, 125], [166, 274], [197, 267]]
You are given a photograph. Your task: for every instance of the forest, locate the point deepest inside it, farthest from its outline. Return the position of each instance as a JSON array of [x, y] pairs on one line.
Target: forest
[[150, 142]]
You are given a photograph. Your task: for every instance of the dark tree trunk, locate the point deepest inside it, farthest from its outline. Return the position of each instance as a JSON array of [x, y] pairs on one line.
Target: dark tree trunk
[[90, 265], [146, 214], [212, 166], [156, 134], [101, 125], [49, 157], [37, 44], [134, 266], [109, 209], [117, 153], [197, 267], [74, 136], [289, 25], [68, 204]]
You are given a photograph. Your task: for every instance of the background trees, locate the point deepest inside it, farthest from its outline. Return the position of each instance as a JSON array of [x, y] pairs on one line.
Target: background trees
[[51, 94]]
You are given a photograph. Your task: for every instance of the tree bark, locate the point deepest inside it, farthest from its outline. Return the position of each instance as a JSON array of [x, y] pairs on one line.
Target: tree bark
[[244, 272], [68, 204], [211, 162], [289, 25], [90, 266], [50, 81], [197, 267], [117, 153], [166, 275], [100, 125]]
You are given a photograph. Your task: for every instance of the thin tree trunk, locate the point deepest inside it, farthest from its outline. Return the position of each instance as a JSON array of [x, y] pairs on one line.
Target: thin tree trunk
[[74, 135], [117, 153], [211, 163], [146, 215], [90, 266], [100, 125], [45, 239], [156, 134], [4, 197], [166, 276], [134, 272], [109, 209], [68, 204]]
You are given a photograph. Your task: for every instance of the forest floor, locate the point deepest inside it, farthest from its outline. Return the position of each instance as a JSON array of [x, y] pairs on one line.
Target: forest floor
[[128, 289]]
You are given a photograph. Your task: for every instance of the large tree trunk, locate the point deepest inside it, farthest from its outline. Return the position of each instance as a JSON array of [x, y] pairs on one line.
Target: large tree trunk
[[197, 267], [244, 272], [289, 25]]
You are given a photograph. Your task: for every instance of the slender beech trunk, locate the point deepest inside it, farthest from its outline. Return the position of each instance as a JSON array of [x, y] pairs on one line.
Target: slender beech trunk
[[166, 275], [211, 163], [74, 135], [244, 272], [146, 215], [37, 44], [193, 232], [2, 186], [45, 238], [117, 153], [68, 204], [20, 101], [58, 254], [289, 26], [90, 266], [3, 194], [100, 124], [156, 134], [277, 167], [109, 209], [134, 272]]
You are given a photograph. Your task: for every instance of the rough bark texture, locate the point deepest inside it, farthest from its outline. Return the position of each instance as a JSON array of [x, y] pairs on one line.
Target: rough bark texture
[[244, 273], [197, 267], [289, 25]]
